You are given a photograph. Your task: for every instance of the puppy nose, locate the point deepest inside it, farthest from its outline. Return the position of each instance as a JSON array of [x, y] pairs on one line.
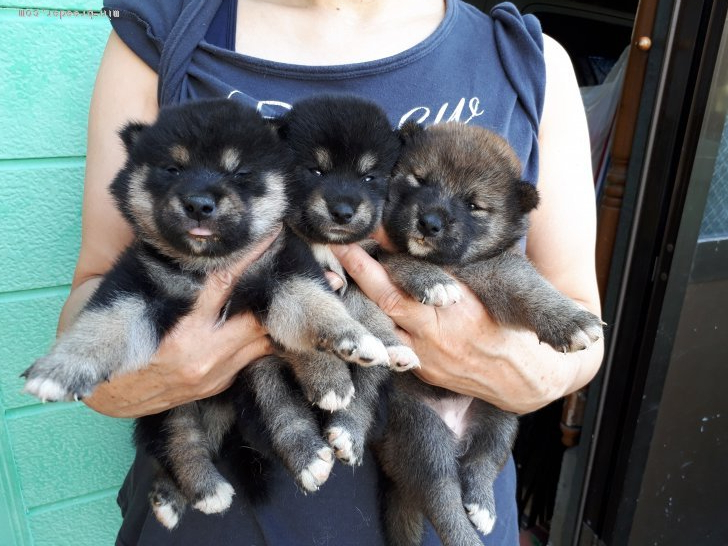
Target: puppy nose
[[198, 207], [342, 213], [430, 224]]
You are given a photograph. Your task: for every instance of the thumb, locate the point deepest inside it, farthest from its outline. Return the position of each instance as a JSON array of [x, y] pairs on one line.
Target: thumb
[[373, 280], [220, 284]]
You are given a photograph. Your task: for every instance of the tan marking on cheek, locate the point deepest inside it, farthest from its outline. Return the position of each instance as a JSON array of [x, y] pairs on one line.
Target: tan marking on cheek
[[180, 154], [231, 205], [229, 159], [366, 162], [140, 201], [323, 158]]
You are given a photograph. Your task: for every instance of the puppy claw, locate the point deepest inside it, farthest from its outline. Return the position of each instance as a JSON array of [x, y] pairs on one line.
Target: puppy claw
[[333, 402], [317, 472], [442, 295], [219, 501], [402, 358], [482, 518]]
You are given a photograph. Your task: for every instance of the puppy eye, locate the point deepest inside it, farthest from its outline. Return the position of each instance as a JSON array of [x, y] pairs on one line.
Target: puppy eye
[[421, 180], [173, 170], [241, 174], [475, 206], [316, 172], [368, 178]]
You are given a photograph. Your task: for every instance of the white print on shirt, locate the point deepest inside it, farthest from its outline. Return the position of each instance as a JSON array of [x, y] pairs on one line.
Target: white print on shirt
[[420, 114], [424, 112]]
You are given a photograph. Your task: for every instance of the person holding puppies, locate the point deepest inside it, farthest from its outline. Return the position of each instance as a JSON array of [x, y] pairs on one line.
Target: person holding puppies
[[424, 60]]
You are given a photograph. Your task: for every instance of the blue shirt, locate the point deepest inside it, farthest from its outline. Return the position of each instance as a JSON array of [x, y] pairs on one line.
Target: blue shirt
[[474, 68]]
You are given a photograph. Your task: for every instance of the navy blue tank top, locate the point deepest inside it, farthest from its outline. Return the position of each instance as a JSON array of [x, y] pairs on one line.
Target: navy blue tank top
[[474, 68]]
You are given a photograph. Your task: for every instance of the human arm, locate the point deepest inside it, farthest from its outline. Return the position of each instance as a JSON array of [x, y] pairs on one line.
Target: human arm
[[461, 347], [184, 368]]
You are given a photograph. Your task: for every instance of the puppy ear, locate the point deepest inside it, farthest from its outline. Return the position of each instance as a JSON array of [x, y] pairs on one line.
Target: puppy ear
[[130, 133], [527, 196], [408, 131]]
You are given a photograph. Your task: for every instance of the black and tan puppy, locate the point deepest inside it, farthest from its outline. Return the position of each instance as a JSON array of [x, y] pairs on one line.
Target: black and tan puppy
[[457, 202], [201, 186], [344, 150]]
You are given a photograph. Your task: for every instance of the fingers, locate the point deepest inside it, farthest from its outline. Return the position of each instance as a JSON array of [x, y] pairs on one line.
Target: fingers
[[374, 281], [219, 284], [382, 238], [335, 282]]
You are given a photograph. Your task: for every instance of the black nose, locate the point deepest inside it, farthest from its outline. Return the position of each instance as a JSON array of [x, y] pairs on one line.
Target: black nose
[[342, 213], [198, 207], [430, 224]]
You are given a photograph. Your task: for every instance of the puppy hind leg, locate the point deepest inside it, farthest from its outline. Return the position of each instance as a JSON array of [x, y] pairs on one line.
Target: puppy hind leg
[[286, 417], [324, 378], [491, 433], [403, 521], [304, 316], [347, 431], [167, 501], [190, 453], [419, 453]]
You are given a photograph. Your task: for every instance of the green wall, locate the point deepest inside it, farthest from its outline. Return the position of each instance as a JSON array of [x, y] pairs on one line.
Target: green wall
[[61, 464]]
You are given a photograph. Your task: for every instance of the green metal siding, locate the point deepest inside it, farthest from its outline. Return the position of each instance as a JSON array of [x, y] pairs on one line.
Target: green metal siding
[[61, 464]]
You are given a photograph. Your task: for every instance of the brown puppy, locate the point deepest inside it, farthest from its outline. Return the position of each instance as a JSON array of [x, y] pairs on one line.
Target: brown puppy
[[457, 201]]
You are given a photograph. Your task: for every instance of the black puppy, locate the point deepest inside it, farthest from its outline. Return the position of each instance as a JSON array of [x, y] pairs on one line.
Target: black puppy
[[201, 186], [457, 201]]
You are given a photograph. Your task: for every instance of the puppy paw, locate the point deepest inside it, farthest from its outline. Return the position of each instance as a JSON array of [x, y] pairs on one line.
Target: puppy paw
[[346, 448], [481, 517], [365, 350], [51, 380], [317, 471], [217, 502], [441, 294], [575, 333], [402, 358], [166, 512], [333, 401]]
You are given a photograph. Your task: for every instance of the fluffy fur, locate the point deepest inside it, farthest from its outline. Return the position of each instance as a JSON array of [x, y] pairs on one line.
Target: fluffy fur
[[457, 201]]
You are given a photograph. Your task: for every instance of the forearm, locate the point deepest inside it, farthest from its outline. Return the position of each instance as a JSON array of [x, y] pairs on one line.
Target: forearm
[[513, 371], [77, 299]]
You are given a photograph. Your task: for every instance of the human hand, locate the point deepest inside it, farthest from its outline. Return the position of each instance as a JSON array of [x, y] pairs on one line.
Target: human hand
[[462, 349], [197, 359]]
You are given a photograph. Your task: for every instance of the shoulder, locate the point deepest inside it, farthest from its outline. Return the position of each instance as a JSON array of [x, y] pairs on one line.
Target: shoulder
[[556, 58], [144, 26]]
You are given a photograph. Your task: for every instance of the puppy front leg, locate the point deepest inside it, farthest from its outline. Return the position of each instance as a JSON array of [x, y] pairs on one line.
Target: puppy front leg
[[516, 294], [104, 340], [401, 357], [305, 316], [424, 281]]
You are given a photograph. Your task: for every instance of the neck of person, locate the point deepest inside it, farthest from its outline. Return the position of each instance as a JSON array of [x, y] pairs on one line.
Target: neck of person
[[331, 32]]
